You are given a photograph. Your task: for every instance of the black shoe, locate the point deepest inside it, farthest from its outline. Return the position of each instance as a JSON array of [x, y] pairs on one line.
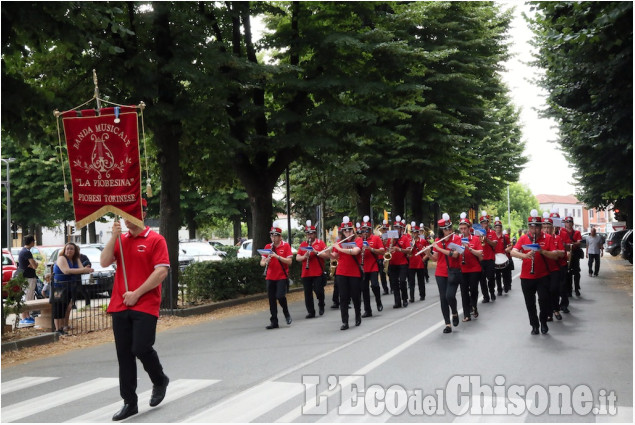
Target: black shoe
[[565, 310], [544, 328], [506, 290], [126, 411], [386, 292], [577, 293], [289, 320], [344, 327], [493, 297], [500, 293], [422, 298], [411, 300], [158, 393], [570, 294], [549, 319], [590, 274], [595, 275], [475, 312], [380, 307], [455, 319], [405, 303], [335, 306], [367, 314], [310, 316], [534, 330], [558, 315], [272, 326], [358, 321], [321, 312], [447, 330], [485, 300], [396, 306]]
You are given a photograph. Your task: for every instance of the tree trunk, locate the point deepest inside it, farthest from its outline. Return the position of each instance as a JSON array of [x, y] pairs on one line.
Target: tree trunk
[[38, 233], [167, 134], [363, 199], [261, 202], [84, 234], [92, 233], [416, 205], [237, 229], [397, 197]]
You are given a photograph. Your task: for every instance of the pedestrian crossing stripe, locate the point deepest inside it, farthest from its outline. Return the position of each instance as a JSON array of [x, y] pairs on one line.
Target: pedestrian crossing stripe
[[176, 390], [24, 382], [245, 406]]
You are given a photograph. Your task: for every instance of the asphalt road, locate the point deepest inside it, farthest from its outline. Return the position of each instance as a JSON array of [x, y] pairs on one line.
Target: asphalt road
[[396, 367]]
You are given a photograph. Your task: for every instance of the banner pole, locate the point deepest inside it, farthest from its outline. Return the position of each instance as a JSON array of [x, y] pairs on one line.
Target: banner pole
[[123, 262]]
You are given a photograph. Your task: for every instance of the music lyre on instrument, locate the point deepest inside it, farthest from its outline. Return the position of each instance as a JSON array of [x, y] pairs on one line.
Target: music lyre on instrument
[[308, 255]]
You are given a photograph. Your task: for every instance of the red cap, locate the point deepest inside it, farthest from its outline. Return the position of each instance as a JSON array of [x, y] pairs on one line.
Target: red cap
[[484, 217], [275, 231], [534, 221], [568, 219], [346, 223]]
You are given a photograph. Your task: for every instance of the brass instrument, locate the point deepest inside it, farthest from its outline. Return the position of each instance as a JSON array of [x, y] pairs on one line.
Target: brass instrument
[[388, 254]]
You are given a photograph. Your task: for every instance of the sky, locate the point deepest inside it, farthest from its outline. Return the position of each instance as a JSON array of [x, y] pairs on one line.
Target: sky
[[547, 171]]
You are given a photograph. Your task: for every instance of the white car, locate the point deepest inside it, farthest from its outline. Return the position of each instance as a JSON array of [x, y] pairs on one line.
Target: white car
[[245, 249], [201, 251]]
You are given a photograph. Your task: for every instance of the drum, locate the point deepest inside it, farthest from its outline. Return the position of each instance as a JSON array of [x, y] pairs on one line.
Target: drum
[[500, 261]]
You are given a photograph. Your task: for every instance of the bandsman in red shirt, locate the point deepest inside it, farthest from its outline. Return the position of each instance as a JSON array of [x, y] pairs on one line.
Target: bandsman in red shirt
[[572, 240], [416, 267], [448, 272], [487, 263], [380, 260], [554, 267], [398, 267], [372, 250], [470, 268], [276, 265], [348, 275], [313, 270], [534, 248], [501, 260], [562, 262]]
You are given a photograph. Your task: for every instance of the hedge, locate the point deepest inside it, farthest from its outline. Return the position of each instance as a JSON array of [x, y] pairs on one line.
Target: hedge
[[227, 279]]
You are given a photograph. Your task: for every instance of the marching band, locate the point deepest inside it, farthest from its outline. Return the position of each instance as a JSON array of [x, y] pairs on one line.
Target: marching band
[[475, 254]]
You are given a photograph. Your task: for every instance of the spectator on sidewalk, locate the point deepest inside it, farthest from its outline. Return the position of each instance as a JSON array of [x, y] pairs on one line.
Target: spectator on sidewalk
[[594, 250], [27, 266]]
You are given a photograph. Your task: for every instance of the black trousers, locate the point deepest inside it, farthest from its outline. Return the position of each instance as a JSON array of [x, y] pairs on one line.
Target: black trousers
[[277, 290], [421, 282], [313, 284], [541, 287], [370, 278], [134, 337], [398, 275], [487, 278], [564, 290], [554, 290], [350, 287], [447, 293], [573, 275], [507, 276], [382, 274], [469, 292], [425, 270], [594, 258]]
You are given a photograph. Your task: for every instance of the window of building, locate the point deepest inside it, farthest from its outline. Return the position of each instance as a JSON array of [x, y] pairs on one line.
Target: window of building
[[591, 213], [566, 212]]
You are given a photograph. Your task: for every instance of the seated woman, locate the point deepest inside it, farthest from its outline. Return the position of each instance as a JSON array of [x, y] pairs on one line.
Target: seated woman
[[67, 269]]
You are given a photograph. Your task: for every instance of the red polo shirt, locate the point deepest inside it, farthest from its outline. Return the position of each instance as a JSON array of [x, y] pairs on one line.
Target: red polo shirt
[[416, 261], [316, 264], [559, 246], [472, 263], [141, 254], [399, 258], [276, 269], [346, 265], [540, 264], [443, 260], [370, 259], [488, 251], [569, 238]]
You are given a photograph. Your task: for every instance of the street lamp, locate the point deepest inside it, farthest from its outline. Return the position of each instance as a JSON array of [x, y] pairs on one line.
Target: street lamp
[[7, 184]]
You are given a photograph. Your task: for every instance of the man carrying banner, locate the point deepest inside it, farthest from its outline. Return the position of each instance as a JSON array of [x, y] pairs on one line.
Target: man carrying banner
[[134, 307]]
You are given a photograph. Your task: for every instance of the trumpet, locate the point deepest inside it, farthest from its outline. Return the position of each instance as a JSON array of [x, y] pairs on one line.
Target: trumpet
[[430, 246]]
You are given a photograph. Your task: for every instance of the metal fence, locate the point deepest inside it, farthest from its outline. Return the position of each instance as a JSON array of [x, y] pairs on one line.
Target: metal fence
[[86, 311]]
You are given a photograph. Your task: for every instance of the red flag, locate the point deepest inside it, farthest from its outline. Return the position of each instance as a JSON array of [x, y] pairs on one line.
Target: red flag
[[105, 170]]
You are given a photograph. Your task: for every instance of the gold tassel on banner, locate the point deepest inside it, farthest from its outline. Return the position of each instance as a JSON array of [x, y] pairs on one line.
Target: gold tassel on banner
[[67, 196], [148, 189]]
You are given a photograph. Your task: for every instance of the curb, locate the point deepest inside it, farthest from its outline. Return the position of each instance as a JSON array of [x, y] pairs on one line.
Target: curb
[[32, 341]]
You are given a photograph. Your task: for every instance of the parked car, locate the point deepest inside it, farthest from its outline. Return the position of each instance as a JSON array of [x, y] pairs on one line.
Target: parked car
[[201, 251], [612, 245], [100, 280], [584, 236], [627, 246], [216, 245], [245, 249], [9, 266]]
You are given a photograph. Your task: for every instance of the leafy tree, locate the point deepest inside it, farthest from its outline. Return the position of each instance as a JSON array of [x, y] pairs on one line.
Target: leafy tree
[[586, 49]]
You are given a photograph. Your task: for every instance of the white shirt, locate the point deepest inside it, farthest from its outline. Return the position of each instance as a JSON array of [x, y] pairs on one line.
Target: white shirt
[[594, 244]]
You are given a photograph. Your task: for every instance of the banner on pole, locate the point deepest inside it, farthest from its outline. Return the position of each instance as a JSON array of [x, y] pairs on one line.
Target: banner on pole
[[103, 153]]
